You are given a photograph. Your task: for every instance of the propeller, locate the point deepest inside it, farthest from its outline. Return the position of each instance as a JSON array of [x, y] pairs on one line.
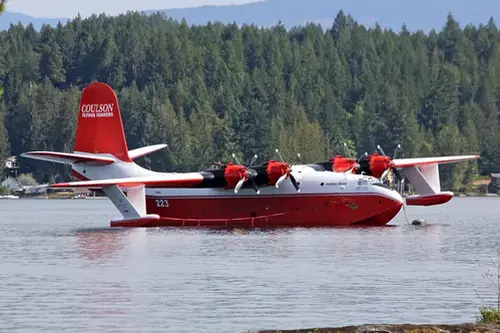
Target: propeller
[[246, 175], [358, 163], [343, 163], [287, 174], [390, 168]]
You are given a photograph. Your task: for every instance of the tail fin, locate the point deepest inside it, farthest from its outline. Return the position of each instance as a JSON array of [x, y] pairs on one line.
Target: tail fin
[[99, 131], [100, 127]]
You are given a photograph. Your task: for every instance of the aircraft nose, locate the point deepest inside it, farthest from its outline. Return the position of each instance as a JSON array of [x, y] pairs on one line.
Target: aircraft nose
[[394, 196], [398, 199]]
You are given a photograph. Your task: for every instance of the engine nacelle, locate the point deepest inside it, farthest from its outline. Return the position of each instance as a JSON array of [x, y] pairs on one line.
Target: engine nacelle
[[343, 164], [378, 164], [275, 170], [234, 173]]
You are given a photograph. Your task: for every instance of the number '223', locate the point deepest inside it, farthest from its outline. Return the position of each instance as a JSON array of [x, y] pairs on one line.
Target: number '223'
[[163, 203]]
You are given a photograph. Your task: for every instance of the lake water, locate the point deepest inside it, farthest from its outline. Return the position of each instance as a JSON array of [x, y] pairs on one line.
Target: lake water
[[62, 269]]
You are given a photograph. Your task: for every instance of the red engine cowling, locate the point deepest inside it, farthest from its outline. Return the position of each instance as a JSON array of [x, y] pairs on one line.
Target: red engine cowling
[[234, 173], [378, 164], [343, 164], [275, 170]]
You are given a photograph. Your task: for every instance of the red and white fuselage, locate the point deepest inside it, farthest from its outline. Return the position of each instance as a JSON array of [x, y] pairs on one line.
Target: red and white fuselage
[[325, 199], [272, 194]]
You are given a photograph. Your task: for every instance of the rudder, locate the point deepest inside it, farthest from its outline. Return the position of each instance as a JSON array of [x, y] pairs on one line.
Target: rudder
[[100, 128]]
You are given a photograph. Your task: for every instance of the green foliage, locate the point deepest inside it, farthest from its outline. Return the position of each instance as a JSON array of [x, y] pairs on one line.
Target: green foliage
[[4, 141], [492, 314], [489, 315], [4, 190], [210, 91], [2, 6], [27, 179]]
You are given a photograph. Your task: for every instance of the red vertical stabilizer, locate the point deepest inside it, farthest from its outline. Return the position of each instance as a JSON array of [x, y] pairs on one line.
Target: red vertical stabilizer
[[100, 127]]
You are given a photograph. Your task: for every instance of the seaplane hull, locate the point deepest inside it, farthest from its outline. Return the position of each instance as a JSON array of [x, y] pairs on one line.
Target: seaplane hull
[[322, 210]]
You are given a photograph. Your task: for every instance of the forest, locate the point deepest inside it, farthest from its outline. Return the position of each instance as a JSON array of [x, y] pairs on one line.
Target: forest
[[208, 91]]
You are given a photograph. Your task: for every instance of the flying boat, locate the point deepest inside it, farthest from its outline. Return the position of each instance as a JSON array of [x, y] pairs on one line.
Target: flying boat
[[272, 194]]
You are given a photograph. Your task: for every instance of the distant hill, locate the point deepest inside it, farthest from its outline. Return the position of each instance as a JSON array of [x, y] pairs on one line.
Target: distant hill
[[422, 14], [9, 17]]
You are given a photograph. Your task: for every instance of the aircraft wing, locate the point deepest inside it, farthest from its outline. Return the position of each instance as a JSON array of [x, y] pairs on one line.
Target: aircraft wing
[[423, 174], [427, 161], [168, 180]]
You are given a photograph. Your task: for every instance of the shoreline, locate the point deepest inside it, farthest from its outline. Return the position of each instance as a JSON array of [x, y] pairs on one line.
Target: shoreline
[[396, 328]]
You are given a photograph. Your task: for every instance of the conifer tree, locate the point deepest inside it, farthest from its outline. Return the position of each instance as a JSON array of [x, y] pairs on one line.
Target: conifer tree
[[208, 91]]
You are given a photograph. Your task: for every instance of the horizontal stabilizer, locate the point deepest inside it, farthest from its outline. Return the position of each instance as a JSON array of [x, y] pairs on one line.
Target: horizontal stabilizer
[[135, 153], [425, 161], [67, 158], [166, 180]]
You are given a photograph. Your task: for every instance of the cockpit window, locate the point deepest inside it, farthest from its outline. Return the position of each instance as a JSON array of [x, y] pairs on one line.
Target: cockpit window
[[368, 181], [381, 185]]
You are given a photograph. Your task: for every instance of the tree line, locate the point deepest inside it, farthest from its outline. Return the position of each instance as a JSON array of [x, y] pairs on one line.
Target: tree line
[[208, 91]]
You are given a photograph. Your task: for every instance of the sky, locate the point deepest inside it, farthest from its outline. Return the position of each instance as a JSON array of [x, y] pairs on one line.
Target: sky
[[70, 8]]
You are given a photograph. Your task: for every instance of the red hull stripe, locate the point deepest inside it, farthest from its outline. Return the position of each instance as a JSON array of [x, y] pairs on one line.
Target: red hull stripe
[[274, 212]]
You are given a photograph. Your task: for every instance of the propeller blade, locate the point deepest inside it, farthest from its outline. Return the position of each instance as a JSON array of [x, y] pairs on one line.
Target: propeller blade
[[254, 158], [380, 150], [254, 186], [239, 185], [294, 182], [397, 174], [236, 159], [396, 150], [297, 158], [281, 180], [279, 155], [362, 157], [384, 175], [346, 150], [351, 169]]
